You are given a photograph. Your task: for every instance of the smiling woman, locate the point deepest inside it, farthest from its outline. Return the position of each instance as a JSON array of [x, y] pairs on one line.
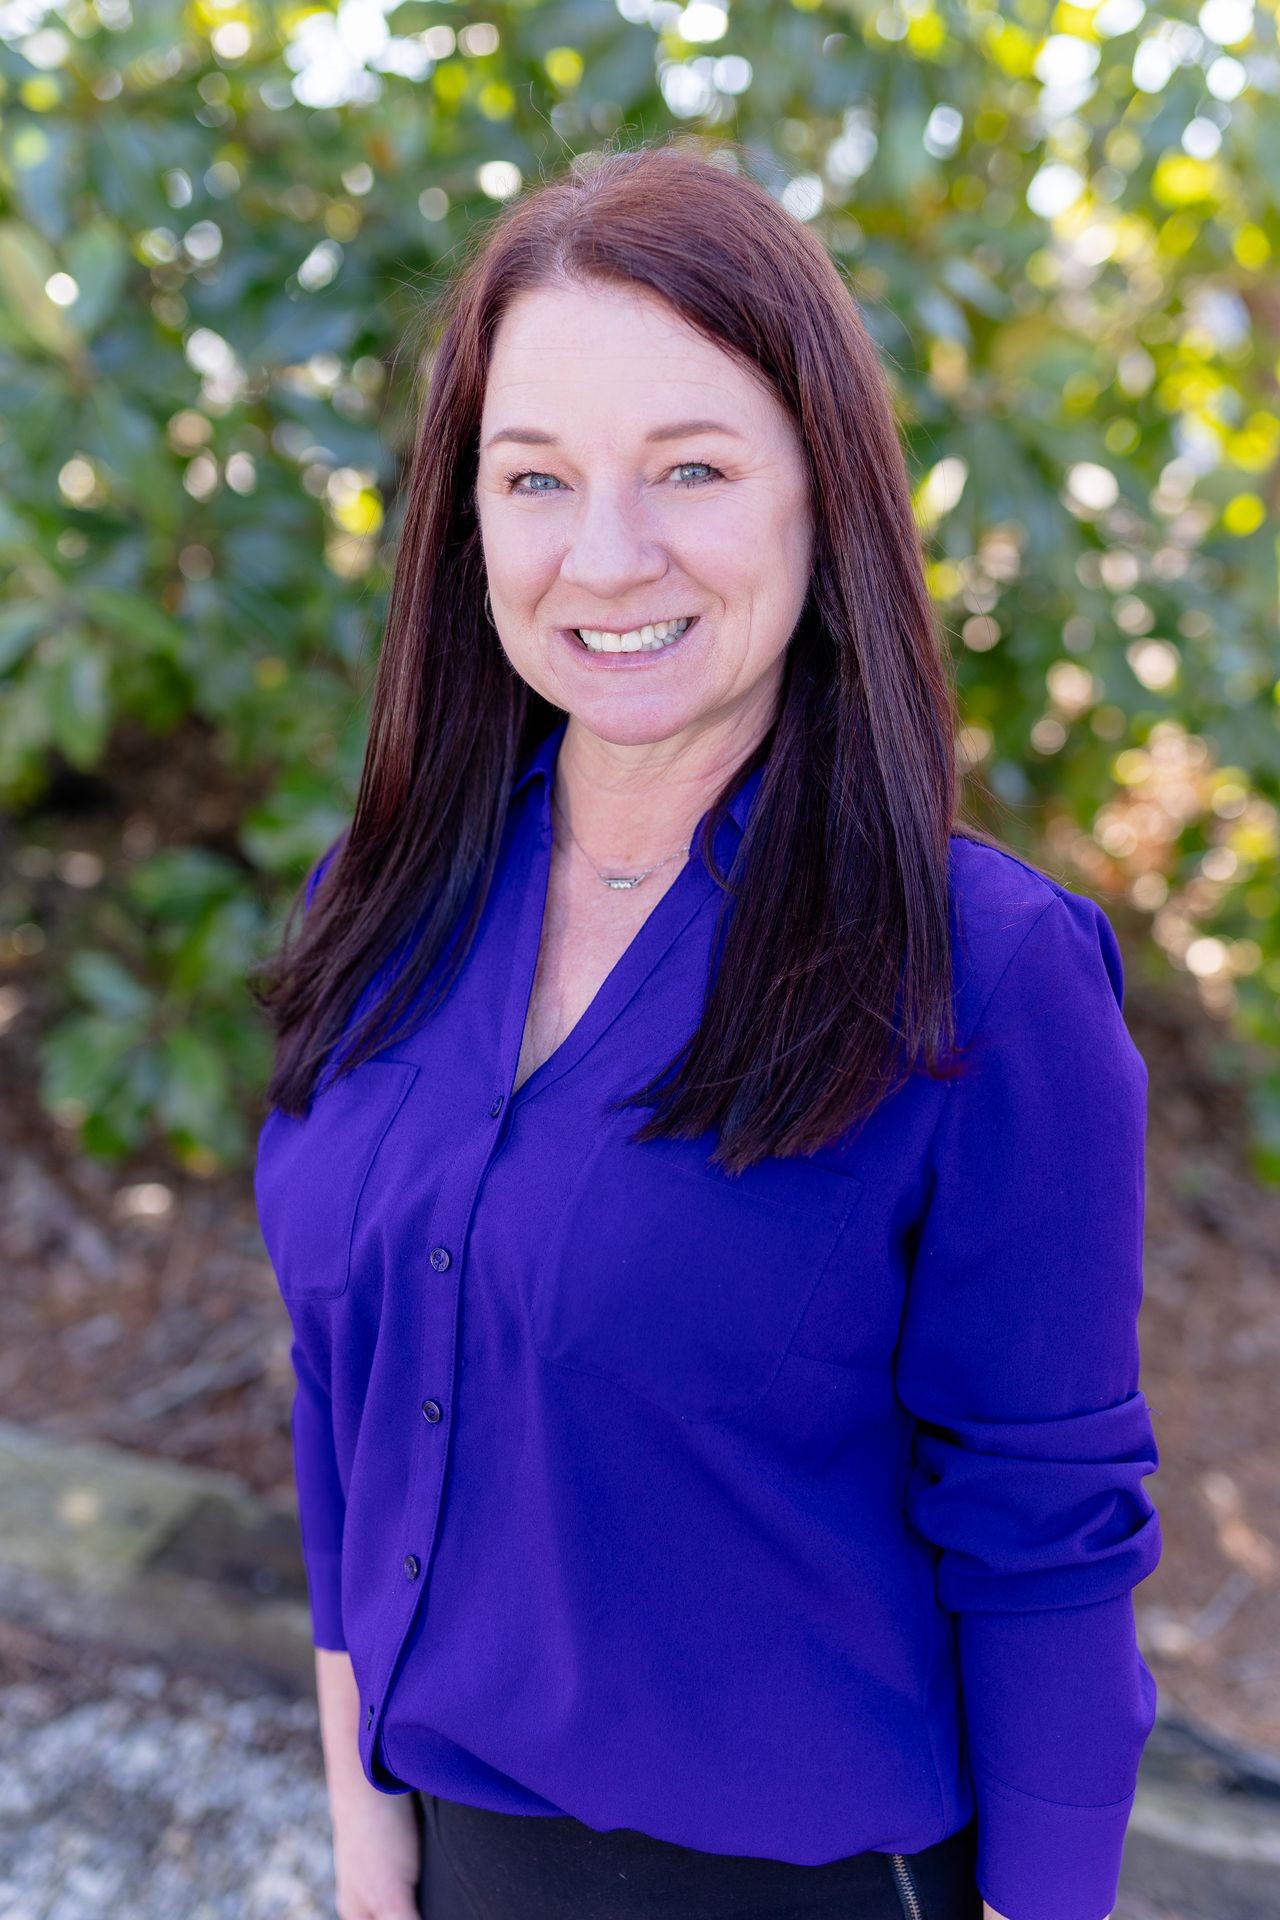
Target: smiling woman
[[730, 1508], [654, 607]]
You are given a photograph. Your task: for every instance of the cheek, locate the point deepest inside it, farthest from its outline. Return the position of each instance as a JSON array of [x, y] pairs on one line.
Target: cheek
[[521, 560], [522, 584], [752, 573], [789, 544]]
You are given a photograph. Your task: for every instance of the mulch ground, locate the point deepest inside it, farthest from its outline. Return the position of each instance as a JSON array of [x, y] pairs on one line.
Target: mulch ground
[[163, 1331]]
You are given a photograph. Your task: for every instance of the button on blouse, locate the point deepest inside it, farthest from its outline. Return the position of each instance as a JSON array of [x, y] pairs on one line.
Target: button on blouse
[[794, 1513]]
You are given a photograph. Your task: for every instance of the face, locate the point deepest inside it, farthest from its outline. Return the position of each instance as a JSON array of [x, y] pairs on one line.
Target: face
[[598, 508]]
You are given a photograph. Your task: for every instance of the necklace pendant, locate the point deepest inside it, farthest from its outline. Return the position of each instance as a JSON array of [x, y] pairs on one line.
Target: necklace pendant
[[622, 880]]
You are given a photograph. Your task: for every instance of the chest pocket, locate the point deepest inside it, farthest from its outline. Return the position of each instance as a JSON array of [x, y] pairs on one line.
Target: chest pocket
[[681, 1283], [311, 1174]]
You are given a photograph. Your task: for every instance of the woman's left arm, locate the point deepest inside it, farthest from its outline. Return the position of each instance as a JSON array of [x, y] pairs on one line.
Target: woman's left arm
[[1019, 1357]]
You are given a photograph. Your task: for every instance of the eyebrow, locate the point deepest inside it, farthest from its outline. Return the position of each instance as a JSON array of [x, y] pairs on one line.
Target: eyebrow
[[674, 430]]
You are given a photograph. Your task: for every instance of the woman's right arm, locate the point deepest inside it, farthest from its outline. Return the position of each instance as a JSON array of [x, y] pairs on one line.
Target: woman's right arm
[[376, 1853]]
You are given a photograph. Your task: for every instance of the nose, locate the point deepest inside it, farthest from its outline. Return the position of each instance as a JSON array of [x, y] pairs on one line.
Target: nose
[[611, 549]]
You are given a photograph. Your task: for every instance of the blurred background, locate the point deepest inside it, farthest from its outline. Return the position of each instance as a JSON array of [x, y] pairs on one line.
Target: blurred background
[[220, 227]]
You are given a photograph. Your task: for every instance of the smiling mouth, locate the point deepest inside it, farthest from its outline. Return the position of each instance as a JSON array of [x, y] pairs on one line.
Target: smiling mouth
[[647, 639]]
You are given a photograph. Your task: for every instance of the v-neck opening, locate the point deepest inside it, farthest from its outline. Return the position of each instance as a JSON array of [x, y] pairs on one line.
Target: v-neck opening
[[692, 891], [656, 933]]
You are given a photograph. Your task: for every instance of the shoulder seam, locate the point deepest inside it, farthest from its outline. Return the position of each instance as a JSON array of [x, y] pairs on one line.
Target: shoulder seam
[[945, 1106], [1016, 860], [1000, 977]]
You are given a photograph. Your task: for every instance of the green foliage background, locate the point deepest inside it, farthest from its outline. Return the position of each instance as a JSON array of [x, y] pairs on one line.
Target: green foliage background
[[218, 224]]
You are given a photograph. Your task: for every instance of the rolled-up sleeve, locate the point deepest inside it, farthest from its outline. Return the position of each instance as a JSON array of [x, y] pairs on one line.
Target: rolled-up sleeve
[[321, 1503], [1018, 1356]]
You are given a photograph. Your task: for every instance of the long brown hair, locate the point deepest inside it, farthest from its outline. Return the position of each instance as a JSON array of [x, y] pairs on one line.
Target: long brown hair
[[833, 977]]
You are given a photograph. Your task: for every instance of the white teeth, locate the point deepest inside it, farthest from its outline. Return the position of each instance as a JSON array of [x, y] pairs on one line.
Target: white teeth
[[651, 637]]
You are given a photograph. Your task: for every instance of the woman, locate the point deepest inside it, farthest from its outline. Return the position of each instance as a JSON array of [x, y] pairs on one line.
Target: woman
[[705, 1182]]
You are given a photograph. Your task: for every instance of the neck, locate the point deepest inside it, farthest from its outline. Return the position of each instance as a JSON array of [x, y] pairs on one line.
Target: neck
[[632, 805]]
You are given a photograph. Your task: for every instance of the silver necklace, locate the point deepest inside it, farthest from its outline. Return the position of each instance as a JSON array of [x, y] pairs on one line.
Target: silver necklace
[[614, 879]]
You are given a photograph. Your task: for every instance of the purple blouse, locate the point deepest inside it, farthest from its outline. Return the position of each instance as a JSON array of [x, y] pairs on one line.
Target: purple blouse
[[794, 1514]]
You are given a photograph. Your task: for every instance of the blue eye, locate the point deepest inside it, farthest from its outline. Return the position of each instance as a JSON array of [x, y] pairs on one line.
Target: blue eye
[[531, 473], [697, 463], [513, 477]]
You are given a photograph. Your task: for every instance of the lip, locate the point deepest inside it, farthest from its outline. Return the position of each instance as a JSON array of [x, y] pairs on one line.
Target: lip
[[616, 662]]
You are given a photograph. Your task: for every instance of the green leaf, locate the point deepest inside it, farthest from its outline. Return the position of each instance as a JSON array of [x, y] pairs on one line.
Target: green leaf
[[108, 986], [21, 623], [27, 264], [83, 1059], [123, 434], [194, 1088], [77, 698], [42, 157], [182, 883], [133, 615], [96, 258]]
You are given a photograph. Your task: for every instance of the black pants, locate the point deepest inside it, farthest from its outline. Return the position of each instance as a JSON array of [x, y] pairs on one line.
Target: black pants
[[479, 1865]]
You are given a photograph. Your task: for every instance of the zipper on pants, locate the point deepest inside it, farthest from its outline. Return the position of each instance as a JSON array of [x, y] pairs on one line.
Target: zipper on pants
[[906, 1887]]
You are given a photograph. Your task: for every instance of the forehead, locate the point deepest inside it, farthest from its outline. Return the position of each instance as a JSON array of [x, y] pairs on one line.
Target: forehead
[[564, 350]]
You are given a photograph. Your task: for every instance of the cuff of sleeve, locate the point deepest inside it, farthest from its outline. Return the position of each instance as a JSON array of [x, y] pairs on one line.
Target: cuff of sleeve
[[1043, 1860], [324, 1586]]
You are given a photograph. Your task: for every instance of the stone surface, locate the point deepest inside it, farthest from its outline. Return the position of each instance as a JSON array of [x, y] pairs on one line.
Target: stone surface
[[171, 1561], [154, 1797], [159, 1744]]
